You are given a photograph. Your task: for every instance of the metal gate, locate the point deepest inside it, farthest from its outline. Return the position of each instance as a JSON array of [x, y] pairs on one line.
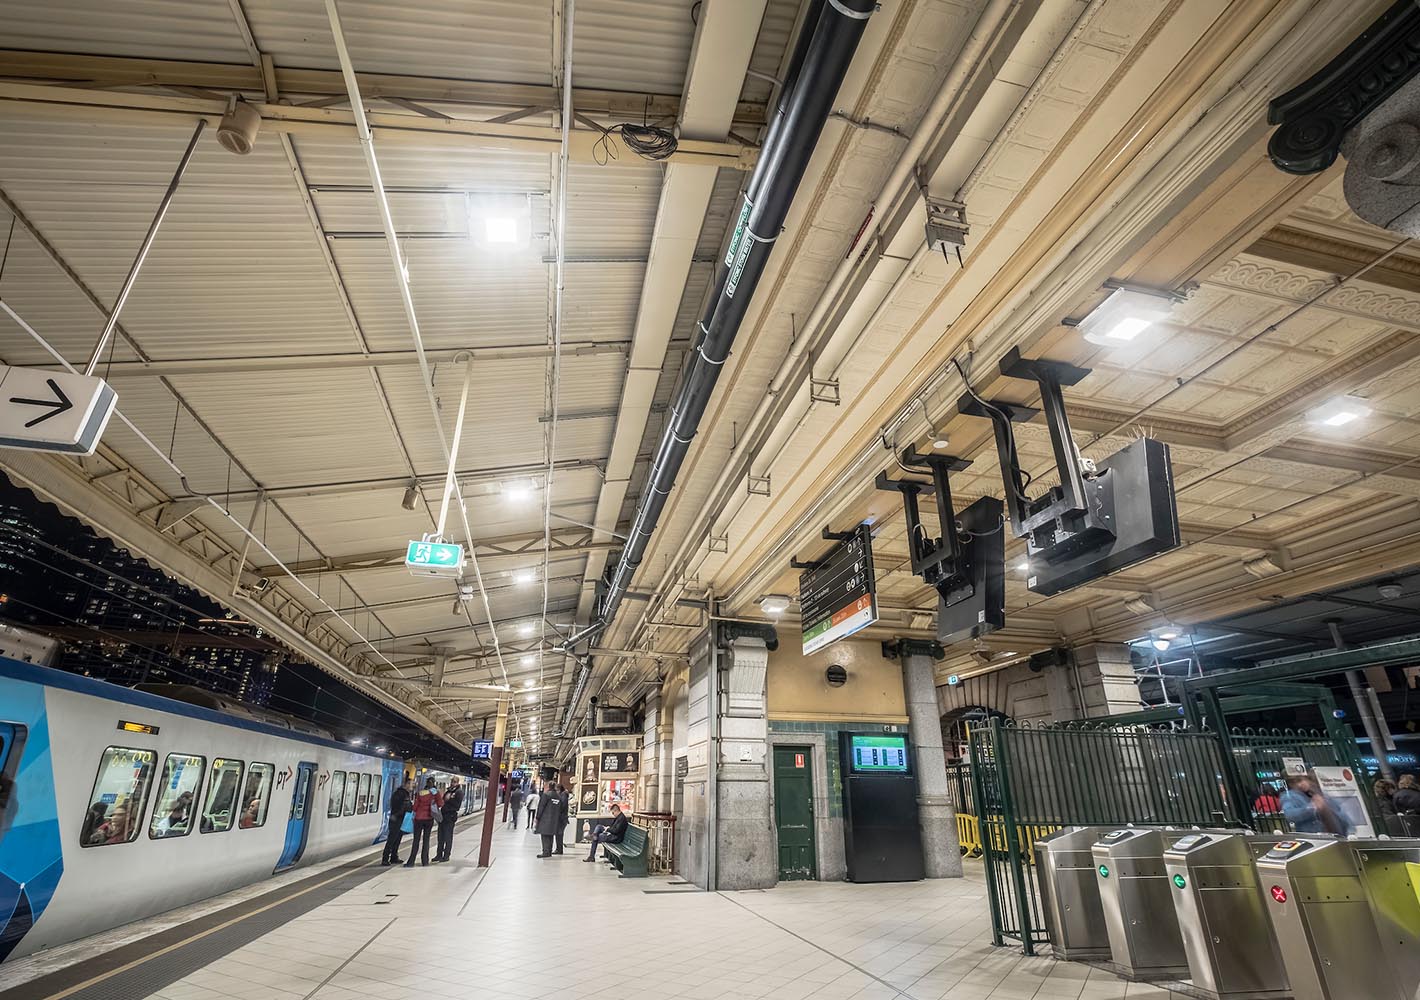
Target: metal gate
[[1029, 781]]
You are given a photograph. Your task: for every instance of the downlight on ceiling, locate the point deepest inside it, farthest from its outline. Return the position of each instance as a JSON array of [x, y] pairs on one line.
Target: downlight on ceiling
[[524, 577], [1125, 314], [519, 490], [774, 604], [1340, 411], [500, 229]]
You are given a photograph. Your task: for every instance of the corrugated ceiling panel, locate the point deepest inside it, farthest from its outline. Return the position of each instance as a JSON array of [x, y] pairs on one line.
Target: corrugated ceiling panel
[[599, 301], [236, 267], [405, 165], [329, 425], [508, 397], [156, 29], [611, 210], [461, 297], [489, 40], [632, 44]]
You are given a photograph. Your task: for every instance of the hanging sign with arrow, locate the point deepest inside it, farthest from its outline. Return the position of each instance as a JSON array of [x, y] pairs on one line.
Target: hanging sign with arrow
[[430, 558], [53, 411]]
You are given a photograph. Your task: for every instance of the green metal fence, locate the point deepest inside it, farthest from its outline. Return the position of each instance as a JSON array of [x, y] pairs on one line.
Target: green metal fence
[[1261, 756], [1026, 781], [1031, 780]]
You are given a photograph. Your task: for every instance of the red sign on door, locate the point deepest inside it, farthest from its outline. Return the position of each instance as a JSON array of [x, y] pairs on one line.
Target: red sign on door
[[798, 760]]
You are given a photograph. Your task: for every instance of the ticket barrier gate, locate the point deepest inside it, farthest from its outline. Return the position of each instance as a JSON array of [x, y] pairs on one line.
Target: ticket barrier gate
[[1232, 953], [1346, 916], [1144, 937], [1070, 894]]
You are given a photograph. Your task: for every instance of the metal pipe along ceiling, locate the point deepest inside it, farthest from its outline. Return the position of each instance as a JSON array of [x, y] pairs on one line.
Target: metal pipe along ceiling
[[821, 58]]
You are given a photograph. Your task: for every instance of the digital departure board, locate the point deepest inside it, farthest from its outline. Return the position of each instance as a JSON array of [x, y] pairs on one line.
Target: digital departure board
[[873, 754], [838, 596]]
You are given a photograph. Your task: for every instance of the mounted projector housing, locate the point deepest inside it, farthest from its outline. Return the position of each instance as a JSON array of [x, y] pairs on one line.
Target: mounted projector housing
[[1102, 517], [967, 564]]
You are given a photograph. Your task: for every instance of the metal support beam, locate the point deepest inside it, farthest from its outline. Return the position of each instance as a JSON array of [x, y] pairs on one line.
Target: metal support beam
[[389, 129]]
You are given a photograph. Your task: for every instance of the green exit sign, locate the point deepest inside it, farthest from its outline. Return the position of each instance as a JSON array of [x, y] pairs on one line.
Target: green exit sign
[[515, 744], [434, 558], [1180, 882], [1104, 871]]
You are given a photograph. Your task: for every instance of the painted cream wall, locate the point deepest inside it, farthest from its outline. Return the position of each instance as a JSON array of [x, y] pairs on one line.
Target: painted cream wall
[[798, 691]]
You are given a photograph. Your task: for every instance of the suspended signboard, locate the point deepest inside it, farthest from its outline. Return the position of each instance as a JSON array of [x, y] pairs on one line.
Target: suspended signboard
[[838, 596], [434, 559], [44, 410]]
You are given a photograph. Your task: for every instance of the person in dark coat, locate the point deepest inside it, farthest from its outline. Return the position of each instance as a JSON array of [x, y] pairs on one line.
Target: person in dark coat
[[562, 810], [399, 805], [1407, 796], [515, 804], [453, 802], [613, 834], [549, 819]]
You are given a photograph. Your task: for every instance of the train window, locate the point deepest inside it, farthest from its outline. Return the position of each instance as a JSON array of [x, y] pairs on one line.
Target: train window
[[220, 809], [352, 785], [376, 804], [120, 793], [256, 796], [337, 793], [182, 777], [362, 801]]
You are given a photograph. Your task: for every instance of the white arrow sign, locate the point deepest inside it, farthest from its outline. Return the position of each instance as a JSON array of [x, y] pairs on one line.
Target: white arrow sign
[[53, 411]]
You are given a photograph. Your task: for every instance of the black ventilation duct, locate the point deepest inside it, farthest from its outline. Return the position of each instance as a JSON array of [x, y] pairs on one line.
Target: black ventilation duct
[[830, 36]]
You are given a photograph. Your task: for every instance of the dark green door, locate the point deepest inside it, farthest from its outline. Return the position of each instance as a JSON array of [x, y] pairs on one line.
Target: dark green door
[[794, 813]]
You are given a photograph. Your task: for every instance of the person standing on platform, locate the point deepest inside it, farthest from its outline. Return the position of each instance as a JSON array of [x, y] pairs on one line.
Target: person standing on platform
[[399, 806], [515, 803], [425, 804], [532, 807], [562, 811], [453, 802], [1407, 796], [549, 819]]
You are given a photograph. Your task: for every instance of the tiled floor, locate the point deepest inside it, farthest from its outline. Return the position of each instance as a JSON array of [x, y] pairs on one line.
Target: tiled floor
[[557, 929]]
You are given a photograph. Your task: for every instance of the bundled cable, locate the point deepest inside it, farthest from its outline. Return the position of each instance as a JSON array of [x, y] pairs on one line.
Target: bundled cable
[[649, 141]]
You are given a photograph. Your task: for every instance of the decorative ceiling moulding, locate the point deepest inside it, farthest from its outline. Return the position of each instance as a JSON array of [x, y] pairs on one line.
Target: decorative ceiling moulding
[[1298, 286], [1363, 105]]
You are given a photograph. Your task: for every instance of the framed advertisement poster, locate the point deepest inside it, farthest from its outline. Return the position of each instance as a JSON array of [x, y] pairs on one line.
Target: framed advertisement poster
[[587, 799], [589, 769]]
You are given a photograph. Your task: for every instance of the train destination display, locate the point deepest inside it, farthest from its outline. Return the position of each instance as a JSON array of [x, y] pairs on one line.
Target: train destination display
[[838, 596]]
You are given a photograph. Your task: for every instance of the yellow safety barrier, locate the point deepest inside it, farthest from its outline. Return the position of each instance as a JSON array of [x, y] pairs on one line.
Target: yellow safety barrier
[[969, 833]]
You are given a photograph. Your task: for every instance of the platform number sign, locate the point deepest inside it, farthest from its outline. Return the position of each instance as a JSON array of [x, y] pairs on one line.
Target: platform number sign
[[482, 749]]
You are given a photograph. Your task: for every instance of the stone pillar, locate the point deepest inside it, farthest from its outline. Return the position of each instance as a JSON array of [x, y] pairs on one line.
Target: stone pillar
[[746, 854], [941, 847], [648, 793], [1106, 677], [693, 831]]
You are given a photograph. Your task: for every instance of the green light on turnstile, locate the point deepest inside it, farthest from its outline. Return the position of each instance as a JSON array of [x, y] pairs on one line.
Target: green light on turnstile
[[1180, 881], [1104, 871]]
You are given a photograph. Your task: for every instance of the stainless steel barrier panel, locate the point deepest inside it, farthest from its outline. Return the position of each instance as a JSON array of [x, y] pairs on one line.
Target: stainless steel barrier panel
[[1144, 937], [1321, 909], [1070, 894], [1232, 954]]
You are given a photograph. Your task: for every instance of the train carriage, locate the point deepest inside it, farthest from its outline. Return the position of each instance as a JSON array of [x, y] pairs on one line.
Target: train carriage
[[118, 804]]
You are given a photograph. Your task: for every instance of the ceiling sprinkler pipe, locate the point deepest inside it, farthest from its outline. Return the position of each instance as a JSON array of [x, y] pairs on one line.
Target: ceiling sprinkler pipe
[[821, 60]]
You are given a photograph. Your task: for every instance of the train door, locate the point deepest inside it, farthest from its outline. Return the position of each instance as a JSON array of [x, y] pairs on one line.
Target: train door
[[297, 827], [12, 741]]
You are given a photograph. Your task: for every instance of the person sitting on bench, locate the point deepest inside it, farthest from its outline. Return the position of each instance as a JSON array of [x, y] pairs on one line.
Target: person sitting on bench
[[613, 834]]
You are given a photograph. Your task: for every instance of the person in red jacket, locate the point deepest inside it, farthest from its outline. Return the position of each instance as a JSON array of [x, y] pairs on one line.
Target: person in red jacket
[[425, 804]]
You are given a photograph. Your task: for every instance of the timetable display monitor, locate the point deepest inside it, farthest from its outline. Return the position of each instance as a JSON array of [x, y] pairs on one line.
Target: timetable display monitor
[[879, 755]]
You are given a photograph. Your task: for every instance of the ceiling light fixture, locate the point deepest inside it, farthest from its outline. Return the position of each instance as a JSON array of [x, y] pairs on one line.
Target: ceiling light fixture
[[1160, 643], [1339, 412], [519, 489], [941, 444], [525, 629], [529, 660], [529, 682], [1023, 565], [774, 604], [1125, 314], [524, 577], [499, 229]]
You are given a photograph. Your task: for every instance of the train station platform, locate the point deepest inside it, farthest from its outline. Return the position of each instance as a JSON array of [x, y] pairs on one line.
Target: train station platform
[[557, 929]]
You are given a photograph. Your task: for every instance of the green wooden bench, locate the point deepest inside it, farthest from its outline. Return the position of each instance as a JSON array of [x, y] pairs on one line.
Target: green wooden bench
[[629, 856]]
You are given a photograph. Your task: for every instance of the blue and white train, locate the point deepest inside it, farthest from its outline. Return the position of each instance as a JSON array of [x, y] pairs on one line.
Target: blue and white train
[[119, 804]]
